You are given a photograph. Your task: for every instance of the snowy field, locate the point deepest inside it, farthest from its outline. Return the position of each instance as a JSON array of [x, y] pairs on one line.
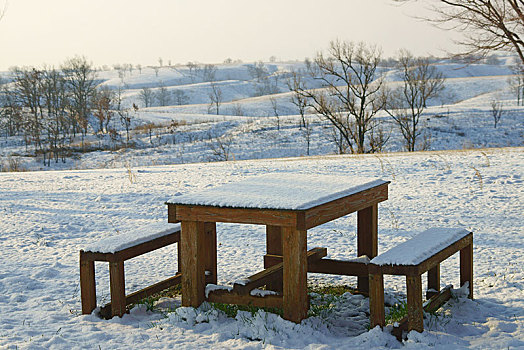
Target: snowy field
[[46, 217]]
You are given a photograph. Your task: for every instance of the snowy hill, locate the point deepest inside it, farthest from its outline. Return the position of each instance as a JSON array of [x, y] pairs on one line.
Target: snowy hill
[[256, 118]]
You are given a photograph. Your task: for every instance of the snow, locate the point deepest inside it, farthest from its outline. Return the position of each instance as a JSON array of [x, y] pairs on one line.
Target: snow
[[262, 293], [280, 191], [136, 236], [47, 217], [213, 287], [421, 247]]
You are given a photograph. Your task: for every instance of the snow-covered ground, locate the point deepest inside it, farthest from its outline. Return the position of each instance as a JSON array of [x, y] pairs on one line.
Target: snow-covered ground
[[46, 217]]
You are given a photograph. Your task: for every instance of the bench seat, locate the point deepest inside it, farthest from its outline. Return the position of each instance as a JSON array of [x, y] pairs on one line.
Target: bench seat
[[420, 254], [147, 233], [116, 250]]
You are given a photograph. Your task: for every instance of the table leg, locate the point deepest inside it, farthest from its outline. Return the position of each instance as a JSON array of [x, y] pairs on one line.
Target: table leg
[[294, 249], [210, 251], [274, 247], [193, 263], [367, 240]]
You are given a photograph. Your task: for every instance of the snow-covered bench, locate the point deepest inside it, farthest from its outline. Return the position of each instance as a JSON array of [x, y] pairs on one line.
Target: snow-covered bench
[[422, 253], [116, 250]]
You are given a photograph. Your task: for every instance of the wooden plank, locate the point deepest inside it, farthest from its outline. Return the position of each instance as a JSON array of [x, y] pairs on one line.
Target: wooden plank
[[296, 303], [226, 297], [466, 267], [338, 267], [433, 281], [414, 303], [210, 250], [432, 305], [274, 247], [237, 215], [87, 285], [193, 277], [117, 288], [367, 239], [274, 272], [134, 251], [171, 214], [327, 266], [445, 253], [376, 300], [343, 206]]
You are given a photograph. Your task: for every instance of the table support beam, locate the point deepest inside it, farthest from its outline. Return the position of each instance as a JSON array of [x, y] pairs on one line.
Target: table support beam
[[294, 249], [367, 239], [273, 247], [210, 251]]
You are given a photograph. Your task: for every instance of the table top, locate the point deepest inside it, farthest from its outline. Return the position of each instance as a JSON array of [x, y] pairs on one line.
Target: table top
[[281, 191]]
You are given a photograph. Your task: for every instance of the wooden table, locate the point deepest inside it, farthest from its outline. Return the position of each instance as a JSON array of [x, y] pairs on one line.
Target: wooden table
[[288, 204]]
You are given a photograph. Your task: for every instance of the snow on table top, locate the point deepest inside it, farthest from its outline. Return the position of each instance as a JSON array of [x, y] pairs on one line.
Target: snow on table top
[[280, 191], [134, 237], [420, 247]]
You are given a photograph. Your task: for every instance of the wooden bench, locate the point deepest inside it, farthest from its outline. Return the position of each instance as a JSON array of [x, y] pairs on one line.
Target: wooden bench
[[116, 250], [412, 258]]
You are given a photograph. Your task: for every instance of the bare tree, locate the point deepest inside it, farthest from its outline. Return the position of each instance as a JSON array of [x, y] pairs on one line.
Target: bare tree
[[56, 121], [274, 106], [487, 25], [180, 97], [146, 96], [3, 10], [496, 111], [28, 95], [209, 72], [349, 98], [420, 82], [162, 96], [126, 119], [81, 78], [221, 147], [516, 81], [296, 83], [192, 66], [263, 82], [215, 97], [102, 103], [307, 131]]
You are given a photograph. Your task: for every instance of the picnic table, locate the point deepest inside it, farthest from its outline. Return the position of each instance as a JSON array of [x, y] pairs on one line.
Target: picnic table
[[288, 204]]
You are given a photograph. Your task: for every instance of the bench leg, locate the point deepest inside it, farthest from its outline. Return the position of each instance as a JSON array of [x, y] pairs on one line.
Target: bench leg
[[294, 249], [466, 268], [274, 247], [117, 287], [433, 281], [87, 285], [210, 251], [415, 314], [376, 300], [367, 225]]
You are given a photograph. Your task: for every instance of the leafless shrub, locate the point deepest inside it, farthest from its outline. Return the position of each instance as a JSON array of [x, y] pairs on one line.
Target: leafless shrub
[[496, 111], [220, 147]]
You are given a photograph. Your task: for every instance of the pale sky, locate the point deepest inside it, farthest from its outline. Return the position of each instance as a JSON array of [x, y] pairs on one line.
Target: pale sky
[[37, 32]]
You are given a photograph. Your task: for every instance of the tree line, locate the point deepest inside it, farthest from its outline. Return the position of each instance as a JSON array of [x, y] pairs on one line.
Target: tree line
[[49, 107]]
